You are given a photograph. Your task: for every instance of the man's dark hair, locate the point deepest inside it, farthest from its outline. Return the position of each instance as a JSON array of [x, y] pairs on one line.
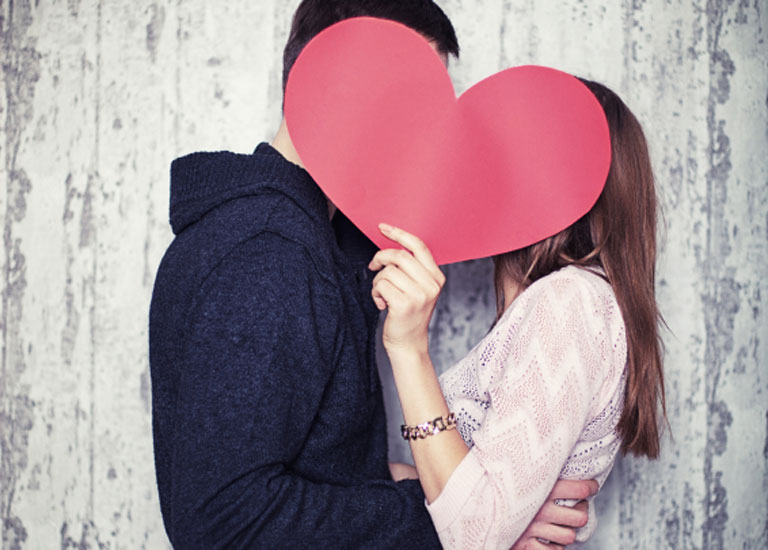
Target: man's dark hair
[[314, 16]]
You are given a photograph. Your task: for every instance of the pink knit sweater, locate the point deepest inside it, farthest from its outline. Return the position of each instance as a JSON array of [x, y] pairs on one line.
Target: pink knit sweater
[[537, 399]]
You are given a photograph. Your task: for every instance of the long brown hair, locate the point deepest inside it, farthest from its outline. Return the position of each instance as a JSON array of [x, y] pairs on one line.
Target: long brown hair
[[619, 235]]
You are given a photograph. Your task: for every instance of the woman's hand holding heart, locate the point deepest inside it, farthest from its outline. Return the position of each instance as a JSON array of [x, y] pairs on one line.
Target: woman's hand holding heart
[[408, 285]]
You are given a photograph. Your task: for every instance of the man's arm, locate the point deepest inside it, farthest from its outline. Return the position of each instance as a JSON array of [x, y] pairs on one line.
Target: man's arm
[[557, 523], [554, 523], [260, 346]]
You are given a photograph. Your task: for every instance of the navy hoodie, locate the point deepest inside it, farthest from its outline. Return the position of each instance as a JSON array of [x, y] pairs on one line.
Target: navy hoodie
[[268, 418]]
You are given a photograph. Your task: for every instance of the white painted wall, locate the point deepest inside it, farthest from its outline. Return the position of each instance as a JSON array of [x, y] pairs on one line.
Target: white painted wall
[[100, 96]]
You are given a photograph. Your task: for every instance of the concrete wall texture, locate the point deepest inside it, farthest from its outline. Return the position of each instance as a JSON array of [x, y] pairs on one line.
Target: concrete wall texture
[[99, 96]]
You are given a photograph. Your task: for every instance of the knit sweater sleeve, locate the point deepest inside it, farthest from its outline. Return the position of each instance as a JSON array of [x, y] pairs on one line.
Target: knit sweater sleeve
[[260, 350], [551, 371]]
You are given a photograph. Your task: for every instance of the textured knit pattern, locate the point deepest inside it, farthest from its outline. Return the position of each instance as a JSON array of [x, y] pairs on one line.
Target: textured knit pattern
[[539, 398], [268, 417]]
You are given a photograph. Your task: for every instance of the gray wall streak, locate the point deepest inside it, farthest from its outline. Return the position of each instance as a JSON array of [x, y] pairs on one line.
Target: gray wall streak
[[97, 99]]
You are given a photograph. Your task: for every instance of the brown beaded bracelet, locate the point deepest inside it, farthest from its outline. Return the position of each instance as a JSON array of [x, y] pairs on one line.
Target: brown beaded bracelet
[[433, 427]]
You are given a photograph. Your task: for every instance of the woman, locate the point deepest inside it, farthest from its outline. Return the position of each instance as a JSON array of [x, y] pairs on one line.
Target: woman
[[570, 373]]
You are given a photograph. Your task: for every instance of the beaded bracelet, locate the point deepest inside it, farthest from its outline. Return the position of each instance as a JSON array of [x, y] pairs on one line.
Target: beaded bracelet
[[433, 427]]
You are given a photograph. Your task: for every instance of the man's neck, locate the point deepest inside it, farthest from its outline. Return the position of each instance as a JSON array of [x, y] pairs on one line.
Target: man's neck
[[283, 145]]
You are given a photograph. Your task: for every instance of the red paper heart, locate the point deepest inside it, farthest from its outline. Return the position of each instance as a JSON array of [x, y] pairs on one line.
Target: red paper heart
[[373, 115]]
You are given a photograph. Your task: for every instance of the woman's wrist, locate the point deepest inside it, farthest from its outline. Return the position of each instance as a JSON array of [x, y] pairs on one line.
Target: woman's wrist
[[408, 357], [411, 363], [417, 386]]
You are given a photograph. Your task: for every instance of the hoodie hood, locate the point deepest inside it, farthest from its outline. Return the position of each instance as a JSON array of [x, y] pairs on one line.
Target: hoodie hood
[[201, 182]]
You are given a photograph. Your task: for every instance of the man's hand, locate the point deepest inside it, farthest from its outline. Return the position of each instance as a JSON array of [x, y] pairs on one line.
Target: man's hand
[[557, 523], [400, 471]]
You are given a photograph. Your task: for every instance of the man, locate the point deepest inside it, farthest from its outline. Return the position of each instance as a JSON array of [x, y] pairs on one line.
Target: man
[[268, 418]]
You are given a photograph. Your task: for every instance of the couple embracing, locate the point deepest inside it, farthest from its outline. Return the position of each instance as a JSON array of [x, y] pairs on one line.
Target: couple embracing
[[268, 417]]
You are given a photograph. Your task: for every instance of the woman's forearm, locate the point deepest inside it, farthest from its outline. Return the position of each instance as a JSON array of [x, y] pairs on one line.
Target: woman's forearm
[[436, 456], [407, 285]]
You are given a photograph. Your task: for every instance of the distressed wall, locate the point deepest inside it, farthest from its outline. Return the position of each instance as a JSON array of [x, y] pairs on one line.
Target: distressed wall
[[99, 97]]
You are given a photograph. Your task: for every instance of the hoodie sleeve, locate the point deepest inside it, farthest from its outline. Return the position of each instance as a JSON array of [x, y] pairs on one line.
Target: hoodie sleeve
[[260, 352]]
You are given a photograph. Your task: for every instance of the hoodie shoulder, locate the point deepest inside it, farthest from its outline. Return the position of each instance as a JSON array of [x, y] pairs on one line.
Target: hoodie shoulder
[[201, 182]]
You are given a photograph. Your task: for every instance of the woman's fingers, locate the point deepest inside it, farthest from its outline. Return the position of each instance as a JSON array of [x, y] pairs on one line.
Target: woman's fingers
[[416, 246], [409, 266], [408, 285], [397, 277], [400, 282], [415, 262], [385, 294]]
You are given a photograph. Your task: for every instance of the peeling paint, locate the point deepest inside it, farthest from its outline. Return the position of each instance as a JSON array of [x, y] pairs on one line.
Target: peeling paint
[[74, 7], [89, 539], [21, 72], [14, 533], [144, 390], [155, 29], [97, 109], [671, 522], [690, 526], [720, 419], [721, 298], [717, 513], [69, 332], [765, 447], [86, 215]]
